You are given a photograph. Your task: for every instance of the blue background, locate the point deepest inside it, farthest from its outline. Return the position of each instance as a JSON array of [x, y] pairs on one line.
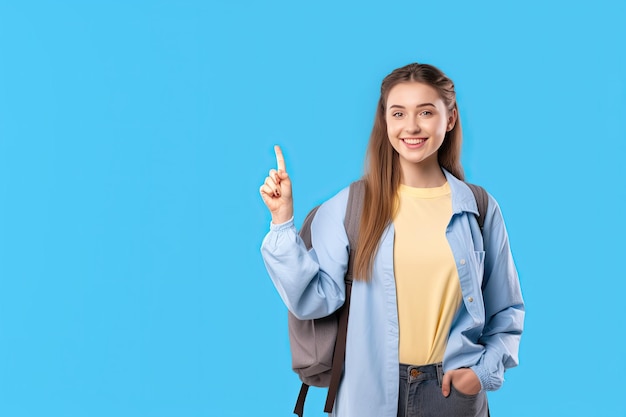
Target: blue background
[[134, 137]]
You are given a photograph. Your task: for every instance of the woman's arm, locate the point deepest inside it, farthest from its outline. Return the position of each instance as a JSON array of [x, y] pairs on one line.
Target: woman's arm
[[310, 282], [504, 306]]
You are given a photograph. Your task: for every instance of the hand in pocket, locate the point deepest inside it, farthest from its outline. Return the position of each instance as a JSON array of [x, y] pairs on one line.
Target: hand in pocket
[[464, 380]]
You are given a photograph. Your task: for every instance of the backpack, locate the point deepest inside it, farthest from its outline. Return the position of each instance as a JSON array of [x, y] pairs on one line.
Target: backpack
[[318, 346]]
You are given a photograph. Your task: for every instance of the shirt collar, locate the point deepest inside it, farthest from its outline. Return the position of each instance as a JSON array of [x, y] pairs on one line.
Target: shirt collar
[[462, 196]]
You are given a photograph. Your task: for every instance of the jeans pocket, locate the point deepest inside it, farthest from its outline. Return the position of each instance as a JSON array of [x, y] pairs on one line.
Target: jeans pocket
[[465, 405], [460, 394]]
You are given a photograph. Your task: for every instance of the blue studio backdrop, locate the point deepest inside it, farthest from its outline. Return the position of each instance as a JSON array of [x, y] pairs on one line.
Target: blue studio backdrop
[[134, 136]]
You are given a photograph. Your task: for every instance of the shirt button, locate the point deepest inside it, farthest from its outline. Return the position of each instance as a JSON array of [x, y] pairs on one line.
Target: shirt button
[[470, 299], [462, 261]]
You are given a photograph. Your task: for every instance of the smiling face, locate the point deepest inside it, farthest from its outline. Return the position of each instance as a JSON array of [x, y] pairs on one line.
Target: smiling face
[[417, 121]]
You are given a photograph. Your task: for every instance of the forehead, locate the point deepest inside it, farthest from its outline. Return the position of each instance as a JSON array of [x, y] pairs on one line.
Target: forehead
[[412, 94]]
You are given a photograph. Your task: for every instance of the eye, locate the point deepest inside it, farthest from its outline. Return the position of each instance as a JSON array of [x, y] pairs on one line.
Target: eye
[[426, 113], [397, 114]]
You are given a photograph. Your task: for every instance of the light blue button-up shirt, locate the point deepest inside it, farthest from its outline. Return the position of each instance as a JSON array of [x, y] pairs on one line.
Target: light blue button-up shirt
[[484, 334]]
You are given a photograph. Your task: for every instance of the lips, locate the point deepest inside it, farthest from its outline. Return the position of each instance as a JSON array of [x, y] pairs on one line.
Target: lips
[[414, 141]]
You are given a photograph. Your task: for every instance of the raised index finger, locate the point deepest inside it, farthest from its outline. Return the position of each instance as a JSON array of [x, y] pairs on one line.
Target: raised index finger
[[280, 160]]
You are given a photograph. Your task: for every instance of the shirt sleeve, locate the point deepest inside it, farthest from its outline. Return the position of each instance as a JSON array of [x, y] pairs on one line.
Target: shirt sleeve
[[310, 282], [504, 306]]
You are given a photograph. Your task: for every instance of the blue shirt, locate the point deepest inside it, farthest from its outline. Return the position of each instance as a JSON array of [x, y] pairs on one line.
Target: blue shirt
[[484, 334]]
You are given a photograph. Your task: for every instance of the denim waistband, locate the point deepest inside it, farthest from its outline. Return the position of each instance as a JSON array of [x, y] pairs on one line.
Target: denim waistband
[[421, 373]]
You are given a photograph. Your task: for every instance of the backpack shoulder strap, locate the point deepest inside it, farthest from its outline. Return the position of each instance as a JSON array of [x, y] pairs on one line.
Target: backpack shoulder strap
[[482, 200], [352, 222]]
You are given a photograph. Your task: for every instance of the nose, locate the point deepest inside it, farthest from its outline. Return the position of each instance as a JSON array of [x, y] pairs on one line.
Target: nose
[[412, 125]]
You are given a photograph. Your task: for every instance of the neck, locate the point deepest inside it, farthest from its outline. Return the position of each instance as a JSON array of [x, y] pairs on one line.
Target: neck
[[422, 175]]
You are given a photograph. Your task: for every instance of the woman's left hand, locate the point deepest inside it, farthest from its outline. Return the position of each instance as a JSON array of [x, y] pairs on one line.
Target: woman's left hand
[[464, 380]]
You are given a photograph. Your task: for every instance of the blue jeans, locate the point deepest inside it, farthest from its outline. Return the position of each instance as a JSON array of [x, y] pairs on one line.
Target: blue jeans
[[420, 395]]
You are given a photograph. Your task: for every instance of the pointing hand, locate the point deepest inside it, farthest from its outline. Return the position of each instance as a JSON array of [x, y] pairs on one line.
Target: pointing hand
[[276, 191]]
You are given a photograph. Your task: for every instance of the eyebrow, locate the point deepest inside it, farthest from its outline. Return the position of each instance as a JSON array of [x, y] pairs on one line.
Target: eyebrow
[[397, 106]]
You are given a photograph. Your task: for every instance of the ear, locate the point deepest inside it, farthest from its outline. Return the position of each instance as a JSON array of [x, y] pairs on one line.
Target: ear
[[452, 116]]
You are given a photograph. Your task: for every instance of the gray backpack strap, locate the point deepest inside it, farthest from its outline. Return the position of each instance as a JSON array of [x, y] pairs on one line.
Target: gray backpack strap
[[482, 200], [351, 222], [312, 341]]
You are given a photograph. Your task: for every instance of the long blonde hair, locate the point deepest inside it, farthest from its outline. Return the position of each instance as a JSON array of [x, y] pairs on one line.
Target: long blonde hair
[[382, 174]]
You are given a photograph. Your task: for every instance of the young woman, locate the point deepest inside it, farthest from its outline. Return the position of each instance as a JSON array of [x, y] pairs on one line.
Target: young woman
[[436, 311]]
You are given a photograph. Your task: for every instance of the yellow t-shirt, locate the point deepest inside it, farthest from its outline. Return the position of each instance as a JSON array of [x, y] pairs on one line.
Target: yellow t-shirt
[[427, 282]]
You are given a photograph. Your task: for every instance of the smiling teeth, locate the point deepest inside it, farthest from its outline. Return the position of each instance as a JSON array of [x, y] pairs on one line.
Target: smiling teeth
[[414, 141]]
